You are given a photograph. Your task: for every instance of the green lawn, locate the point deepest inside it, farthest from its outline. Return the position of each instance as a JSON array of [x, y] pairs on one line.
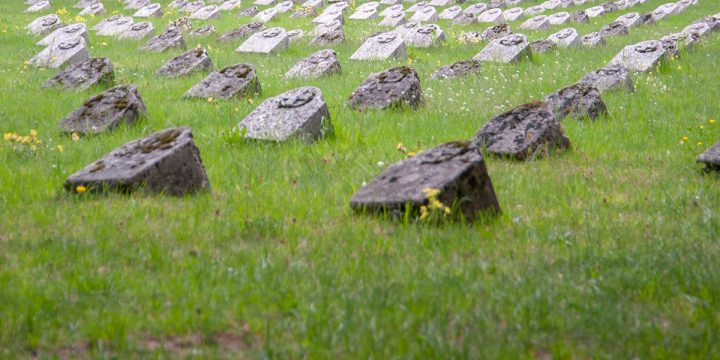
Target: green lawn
[[608, 251]]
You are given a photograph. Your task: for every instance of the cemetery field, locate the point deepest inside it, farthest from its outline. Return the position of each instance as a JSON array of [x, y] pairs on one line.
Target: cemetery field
[[609, 250]]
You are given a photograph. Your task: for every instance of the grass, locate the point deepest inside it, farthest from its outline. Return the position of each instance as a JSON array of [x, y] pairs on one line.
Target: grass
[[608, 251]]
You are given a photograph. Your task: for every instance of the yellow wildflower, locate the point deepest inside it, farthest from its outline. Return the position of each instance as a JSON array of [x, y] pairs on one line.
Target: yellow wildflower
[[11, 136], [26, 140], [210, 99], [75, 136], [60, 148], [712, 121], [702, 126], [431, 193], [699, 143], [33, 133], [684, 138], [80, 189]]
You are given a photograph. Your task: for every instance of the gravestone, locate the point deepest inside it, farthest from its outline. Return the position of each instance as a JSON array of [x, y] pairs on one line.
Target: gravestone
[[329, 15], [235, 81], [295, 35], [407, 29], [542, 46], [84, 4], [592, 39], [187, 63], [164, 162], [105, 111], [203, 31], [611, 77], [659, 14], [641, 57], [152, 10], [206, 13], [95, 10], [559, 18], [470, 37], [491, 16], [391, 88], [418, 6], [317, 4], [321, 63], [551, 4], [566, 38], [455, 170], [425, 36], [523, 133], [304, 12], [65, 52], [380, 47], [138, 31], [329, 38], [458, 69], [249, 12], [391, 10], [284, 6], [116, 27], [513, 14], [39, 6], [182, 24], [578, 101], [65, 33], [327, 27], [394, 20], [673, 43], [539, 22], [441, 3], [171, 38], [475, 9], [496, 32], [465, 19], [230, 5], [630, 19], [265, 15], [579, 16], [595, 11], [615, 28], [610, 6], [534, 10], [83, 75], [712, 22], [178, 4], [450, 13], [365, 14], [509, 49], [297, 114], [711, 158], [242, 32], [264, 2], [265, 42], [44, 25], [137, 4], [698, 30], [426, 14]]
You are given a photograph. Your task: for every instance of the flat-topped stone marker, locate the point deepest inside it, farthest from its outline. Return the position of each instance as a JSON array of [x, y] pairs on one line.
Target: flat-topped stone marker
[[698, 30], [475, 9], [539, 22], [329, 15], [189, 62], [491, 16], [249, 12], [559, 18], [65, 52], [465, 19], [425, 14], [171, 38], [83, 75], [265, 42], [265, 15], [242, 32], [380, 47], [96, 10], [206, 13], [105, 111], [296, 114], [425, 36], [592, 39], [327, 27], [152, 10], [496, 32], [595, 11], [513, 14], [116, 27], [630, 20], [138, 31], [509, 49], [165, 162], [391, 10], [578, 101], [136, 4], [456, 171], [39, 6], [418, 6], [364, 14], [458, 69], [194, 6], [203, 31], [394, 20], [611, 77], [235, 81], [534, 10], [284, 6], [390, 88], [711, 158], [320, 63], [329, 38], [615, 28], [230, 5], [641, 57], [566, 38], [44, 25], [523, 133], [84, 4], [295, 34], [542, 46], [65, 33]]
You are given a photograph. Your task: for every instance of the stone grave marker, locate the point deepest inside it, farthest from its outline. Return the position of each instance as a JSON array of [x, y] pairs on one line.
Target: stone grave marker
[[235, 81], [178, 4], [65, 52], [465, 19], [242, 32], [513, 14], [116, 27], [44, 25], [394, 20], [425, 14], [539, 22], [425, 36], [458, 69], [264, 2], [408, 28], [470, 37], [441, 3], [456, 171], [711, 158], [284, 6], [365, 14], [187, 63], [579, 16], [450, 13], [595, 11], [265, 42], [320, 63], [389, 2], [138, 31], [610, 6], [551, 4], [677, 41], [193, 7], [509, 49], [592, 39], [304, 12], [152, 10], [203, 31], [578, 101], [66, 33], [249, 12], [611, 77], [660, 13], [566, 38], [316, 4], [534, 10], [83, 75], [230, 5], [329, 38], [641, 57], [712, 22], [165, 162], [496, 32], [329, 15], [297, 114], [630, 19], [295, 34], [207, 13], [475, 9], [542, 46], [137, 4], [39, 6], [491, 16], [105, 111], [559, 18], [523, 133], [615, 28], [96, 10], [418, 6], [391, 10], [391, 88], [698, 30], [171, 38], [380, 47], [84, 4], [327, 27]]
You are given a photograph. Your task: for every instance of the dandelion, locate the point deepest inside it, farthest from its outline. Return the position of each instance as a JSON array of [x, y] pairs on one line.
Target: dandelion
[[33, 133], [412, 153], [80, 189], [250, 100], [685, 138], [712, 121], [699, 143], [210, 100], [61, 148], [400, 147], [702, 126], [75, 136], [11, 136], [431, 192]]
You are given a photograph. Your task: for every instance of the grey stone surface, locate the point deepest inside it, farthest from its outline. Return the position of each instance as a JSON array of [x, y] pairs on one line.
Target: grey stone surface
[[203, 31], [171, 38], [425, 36], [592, 39], [380, 47], [84, 4], [647, 19], [496, 32], [295, 34], [249, 12], [566, 38], [491, 16], [44, 25], [116, 27], [630, 20], [579, 16], [96, 10], [266, 42], [83, 75], [418, 6], [390, 88], [65, 52], [206, 13], [534, 10], [712, 22], [559, 18], [304, 12], [578, 101], [136, 4], [189, 62], [475, 9], [539, 22], [165, 162], [330, 15], [183, 24], [284, 6], [297, 114], [457, 170], [392, 10], [450, 13], [242, 32], [265, 15], [193, 6], [523, 133], [39, 6], [329, 38], [425, 14], [364, 14], [68, 32], [698, 30], [610, 6], [465, 19], [230, 5], [178, 4], [641, 57], [615, 28], [458, 69], [509, 49], [151, 10], [470, 37], [231, 82], [711, 158], [327, 27], [595, 11], [542, 46], [105, 111], [320, 63], [513, 14], [611, 77], [394, 20], [138, 31]]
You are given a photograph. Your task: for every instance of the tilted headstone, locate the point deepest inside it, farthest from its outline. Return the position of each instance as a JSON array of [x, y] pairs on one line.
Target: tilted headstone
[[44, 25], [578, 101], [425, 36], [523, 133], [193, 7], [207, 13], [641, 57], [418, 6], [297, 114], [171, 38], [189, 62], [284, 6], [475, 9], [542, 46], [364, 14], [630, 19], [242, 32], [65, 52], [592, 39], [230, 5], [203, 31], [83, 75], [539, 22], [152, 10], [491, 16], [615, 28], [509, 49], [304, 12], [96, 10], [470, 37], [534, 10], [610, 6], [712, 22], [249, 12], [183, 24], [84, 4], [458, 69], [673, 43], [394, 20], [295, 34], [66, 33], [165, 162], [329, 15], [407, 28], [465, 19], [450, 13], [391, 10], [559, 18], [39, 6], [231, 82], [611, 77], [329, 38], [566, 38], [265, 42], [456, 171], [138, 31], [320, 63], [264, 2], [711, 158], [698, 30], [116, 27], [327, 27], [595, 11], [513, 14], [178, 4], [105, 111], [496, 32], [579, 16], [137, 4], [383, 46], [441, 3], [390, 88], [551, 4]]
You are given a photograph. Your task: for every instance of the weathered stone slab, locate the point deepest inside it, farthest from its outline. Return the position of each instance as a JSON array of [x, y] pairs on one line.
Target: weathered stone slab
[[65, 52], [542, 46], [539, 22], [426, 14], [579, 16], [394, 20], [661, 12], [105, 111], [674, 43], [321, 63], [229, 5], [615, 28], [630, 19], [522, 133], [65, 33], [193, 7], [559, 18], [513, 14], [171, 38], [44, 25], [611, 77], [711, 158], [183, 24], [152, 10], [178, 4], [491, 16], [698, 30], [242, 32], [566, 38], [365, 14], [509, 49], [164, 162], [330, 14], [380, 47], [235, 81], [578, 101], [304, 12], [329, 38], [138, 31], [284, 6], [249, 12], [266, 42], [83, 75], [534, 10], [390, 88], [391, 10], [407, 29], [84, 4], [189, 62], [442, 3], [592, 39], [207, 13], [711, 21], [470, 37], [295, 35], [595, 11], [203, 31], [465, 19], [297, 114], [450, 13], [458, 69], [610, 6], [456, 171], [496, 32], [418, 6], [39, 6], [641, 57], [96, 10], [327, 28], [116, 27], [475, 9], [425, 36], [137, 4]]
